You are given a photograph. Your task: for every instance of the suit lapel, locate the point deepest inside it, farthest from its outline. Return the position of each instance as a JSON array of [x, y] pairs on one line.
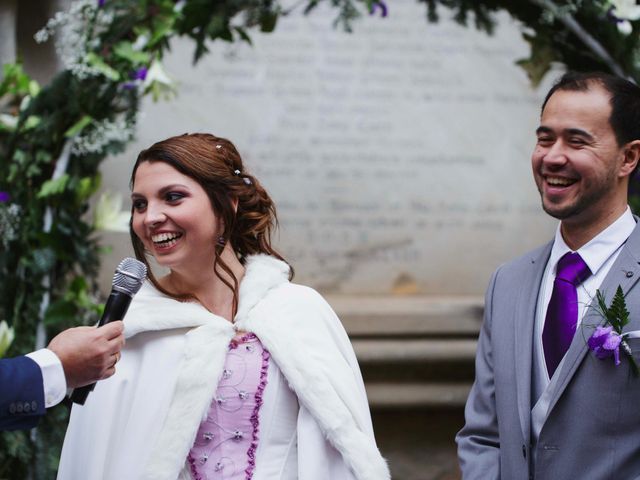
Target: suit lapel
[[524, 330], [625, 272]]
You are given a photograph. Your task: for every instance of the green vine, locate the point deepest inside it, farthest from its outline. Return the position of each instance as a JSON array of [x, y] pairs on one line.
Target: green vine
[[53, 138]]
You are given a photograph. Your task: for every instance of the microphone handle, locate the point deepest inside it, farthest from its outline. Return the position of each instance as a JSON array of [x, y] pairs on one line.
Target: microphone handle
[[115, 309]]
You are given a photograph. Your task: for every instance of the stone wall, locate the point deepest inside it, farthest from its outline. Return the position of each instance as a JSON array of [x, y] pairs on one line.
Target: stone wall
[[398, 155]]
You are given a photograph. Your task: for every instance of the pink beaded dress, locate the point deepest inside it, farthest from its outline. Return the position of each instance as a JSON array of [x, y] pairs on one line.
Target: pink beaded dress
[[226, 442]]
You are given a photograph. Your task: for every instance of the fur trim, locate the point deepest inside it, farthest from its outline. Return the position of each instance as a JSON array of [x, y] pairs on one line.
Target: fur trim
[[262, 273], [296, 309], [331, 403], [204, 356], [200, 371], [150, 312]]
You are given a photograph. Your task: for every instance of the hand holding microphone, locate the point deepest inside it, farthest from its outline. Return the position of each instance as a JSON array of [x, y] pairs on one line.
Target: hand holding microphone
[[88, 354], [127, 280]]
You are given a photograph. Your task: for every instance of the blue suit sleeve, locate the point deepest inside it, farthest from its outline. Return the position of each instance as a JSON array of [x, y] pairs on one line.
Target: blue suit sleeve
[[21, 393]]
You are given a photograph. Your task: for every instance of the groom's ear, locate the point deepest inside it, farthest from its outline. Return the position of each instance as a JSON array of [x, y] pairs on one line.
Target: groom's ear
[[631, 157]]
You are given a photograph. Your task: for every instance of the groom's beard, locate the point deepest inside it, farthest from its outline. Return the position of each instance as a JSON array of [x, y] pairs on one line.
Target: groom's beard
[[590, 197]]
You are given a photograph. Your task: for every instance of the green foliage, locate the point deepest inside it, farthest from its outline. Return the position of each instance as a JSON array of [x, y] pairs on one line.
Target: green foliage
[[616, 314]]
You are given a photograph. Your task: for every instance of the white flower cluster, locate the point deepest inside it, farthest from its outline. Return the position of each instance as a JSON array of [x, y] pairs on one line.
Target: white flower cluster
[[101, 134], [72, 42], [9, 223], [109, 214]]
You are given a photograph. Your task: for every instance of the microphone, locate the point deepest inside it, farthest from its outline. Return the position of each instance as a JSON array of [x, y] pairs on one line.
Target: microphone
[[127, 280]]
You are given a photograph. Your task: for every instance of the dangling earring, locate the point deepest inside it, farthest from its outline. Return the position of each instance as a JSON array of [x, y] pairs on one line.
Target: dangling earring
[[221, 241]]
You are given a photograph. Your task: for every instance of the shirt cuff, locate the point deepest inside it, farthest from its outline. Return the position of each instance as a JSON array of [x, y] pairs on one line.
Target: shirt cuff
[[53, 379]]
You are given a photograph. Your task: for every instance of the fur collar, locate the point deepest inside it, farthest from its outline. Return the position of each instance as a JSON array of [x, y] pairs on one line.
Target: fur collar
[[148, 311], [203, 359], [277, 322]]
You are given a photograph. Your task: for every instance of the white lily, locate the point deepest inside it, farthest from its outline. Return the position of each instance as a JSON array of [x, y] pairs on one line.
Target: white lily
[[109, 215], [626, 9], [6, 337], [158, 83], [157, 74], [624, 27]]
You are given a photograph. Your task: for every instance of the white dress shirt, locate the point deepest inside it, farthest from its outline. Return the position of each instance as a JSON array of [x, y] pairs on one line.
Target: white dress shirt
[[53, 379], [599, 254]]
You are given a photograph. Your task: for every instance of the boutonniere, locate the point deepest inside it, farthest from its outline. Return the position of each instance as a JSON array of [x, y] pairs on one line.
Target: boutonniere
[[607, 341]]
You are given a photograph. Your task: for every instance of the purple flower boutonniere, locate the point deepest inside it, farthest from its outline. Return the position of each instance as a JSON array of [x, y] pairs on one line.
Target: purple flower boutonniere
[[607, 341]]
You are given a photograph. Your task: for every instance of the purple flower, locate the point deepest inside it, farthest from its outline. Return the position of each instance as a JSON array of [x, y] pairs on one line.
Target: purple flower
[[4, 196], [605, 343], [140, 73], [101, 3], [379, 4]]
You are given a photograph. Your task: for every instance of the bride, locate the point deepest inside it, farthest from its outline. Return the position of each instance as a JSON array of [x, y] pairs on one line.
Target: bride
[[229, 371]]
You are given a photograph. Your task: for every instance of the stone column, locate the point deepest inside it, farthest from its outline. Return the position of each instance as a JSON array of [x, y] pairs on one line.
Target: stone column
[[8, 21]]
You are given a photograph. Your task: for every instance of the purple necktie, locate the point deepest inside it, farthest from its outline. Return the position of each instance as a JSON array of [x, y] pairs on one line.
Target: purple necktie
[[562, 312]]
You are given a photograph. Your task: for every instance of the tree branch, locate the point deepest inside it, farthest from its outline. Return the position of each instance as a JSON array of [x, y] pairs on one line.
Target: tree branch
[[593, 44]]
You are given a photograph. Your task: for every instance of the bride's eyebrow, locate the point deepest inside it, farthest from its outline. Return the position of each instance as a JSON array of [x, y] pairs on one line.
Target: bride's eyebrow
[[162, 191]]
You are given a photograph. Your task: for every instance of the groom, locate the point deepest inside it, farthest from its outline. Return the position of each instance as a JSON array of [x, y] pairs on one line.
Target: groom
[[543, 405]]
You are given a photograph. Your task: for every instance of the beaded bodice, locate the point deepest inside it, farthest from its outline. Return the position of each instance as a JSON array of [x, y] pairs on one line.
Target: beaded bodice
[[227, 439]]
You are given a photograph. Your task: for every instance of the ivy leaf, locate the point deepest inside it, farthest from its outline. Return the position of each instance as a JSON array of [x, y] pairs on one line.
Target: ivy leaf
[[96, 62], [53, 187], [60, 312], [87, 186], [34, 88], [16, 81], [125, 51], [243, 35], [78, 126], [162, 27], [43, 156], [31, 122], [310, 6], [539, 63], [268, 22]]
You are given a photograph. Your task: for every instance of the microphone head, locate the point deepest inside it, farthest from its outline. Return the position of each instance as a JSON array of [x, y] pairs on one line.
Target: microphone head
[[129, 276]]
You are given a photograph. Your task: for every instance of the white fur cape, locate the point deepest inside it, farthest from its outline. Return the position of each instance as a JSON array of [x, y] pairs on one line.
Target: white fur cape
[[141, 423]]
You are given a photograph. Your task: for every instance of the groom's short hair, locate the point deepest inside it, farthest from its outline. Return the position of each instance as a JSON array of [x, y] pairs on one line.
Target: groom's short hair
[[625, 100]]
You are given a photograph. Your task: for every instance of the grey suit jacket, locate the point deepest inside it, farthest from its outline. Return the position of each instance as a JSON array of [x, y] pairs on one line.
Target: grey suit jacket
[[592, 430]]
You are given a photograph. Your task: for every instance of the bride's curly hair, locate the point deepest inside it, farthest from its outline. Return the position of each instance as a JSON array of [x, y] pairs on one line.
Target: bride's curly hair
[[216, 165]]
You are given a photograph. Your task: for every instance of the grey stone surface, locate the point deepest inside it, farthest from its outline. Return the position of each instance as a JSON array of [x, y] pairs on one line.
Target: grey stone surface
[[8, 18], [419, 444], [398, 156], [409, 315]]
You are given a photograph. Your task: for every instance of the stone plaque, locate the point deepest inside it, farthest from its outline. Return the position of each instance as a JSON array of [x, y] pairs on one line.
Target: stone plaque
[[398, 155]]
